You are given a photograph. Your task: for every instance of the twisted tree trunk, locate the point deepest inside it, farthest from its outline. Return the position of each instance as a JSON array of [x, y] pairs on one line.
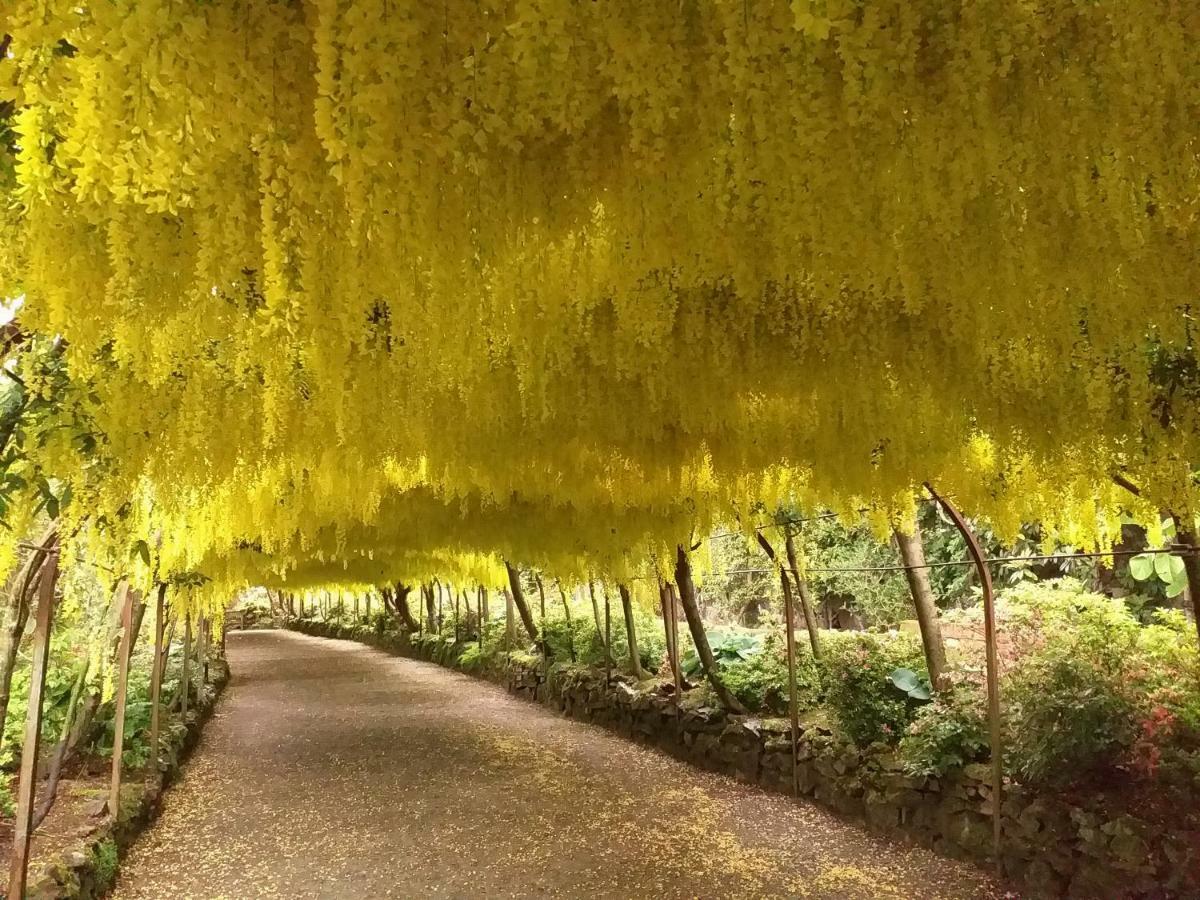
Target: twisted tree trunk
[[401, 608], [518, 597], [912, 551], [687, 597]]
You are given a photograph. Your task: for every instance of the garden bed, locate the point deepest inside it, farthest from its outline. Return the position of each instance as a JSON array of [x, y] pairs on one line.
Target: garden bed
[[76, 853]]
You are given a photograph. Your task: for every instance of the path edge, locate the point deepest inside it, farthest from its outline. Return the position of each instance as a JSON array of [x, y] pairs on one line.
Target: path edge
[[89, 868]]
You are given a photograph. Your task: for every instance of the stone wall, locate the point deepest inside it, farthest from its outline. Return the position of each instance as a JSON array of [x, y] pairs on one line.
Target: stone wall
[[1051, 848]]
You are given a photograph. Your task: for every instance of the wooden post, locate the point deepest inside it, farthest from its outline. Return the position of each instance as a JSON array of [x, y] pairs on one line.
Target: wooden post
[[671, 625], [23, 826], [510, 627], [482, 615], [128, 598], [567, 616], [673, 602], [595, 606], [156, 667], [542, 625], [635, 656], [607, 637], [793, 705], [202, 649], [184, 683], [993, 663], [810, 620]]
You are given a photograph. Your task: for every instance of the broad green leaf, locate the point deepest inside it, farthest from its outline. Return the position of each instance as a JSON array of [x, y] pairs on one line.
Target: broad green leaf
[[1168, 568], [1141, 567], [1178, 584]]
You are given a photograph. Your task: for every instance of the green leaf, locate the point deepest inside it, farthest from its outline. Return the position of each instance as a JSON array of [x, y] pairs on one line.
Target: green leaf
[[1168, 568], [142, 549], [1179, 583], [912, 684], [1141, 567]]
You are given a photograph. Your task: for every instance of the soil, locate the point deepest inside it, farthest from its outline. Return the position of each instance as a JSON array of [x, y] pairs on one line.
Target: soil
[[333, 770]]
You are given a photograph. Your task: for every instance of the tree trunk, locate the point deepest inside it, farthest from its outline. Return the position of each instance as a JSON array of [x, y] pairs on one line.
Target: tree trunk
[[510, 625], [542, 620], [430, 615], [912, 552], [403, 610], [687, 597], [567, 616], [805, 598], [518, 596], [596, 612], [635, 659]]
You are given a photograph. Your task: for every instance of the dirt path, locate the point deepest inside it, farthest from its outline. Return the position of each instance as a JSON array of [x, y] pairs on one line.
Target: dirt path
[[333, 770]]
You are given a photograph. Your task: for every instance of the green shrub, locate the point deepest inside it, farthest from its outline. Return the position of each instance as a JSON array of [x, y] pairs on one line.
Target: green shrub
[[948, 733], [728, 648], [589, 645], [858, 686], [760, 680], [1070, 703], [105, 861]]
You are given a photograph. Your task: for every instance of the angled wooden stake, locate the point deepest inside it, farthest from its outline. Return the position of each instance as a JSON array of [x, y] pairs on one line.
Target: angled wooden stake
[[23, 826], [128, 598]]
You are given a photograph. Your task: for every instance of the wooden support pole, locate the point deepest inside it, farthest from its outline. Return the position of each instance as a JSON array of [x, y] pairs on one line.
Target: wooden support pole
[[205, 638], [457, 629], [184, 679], [672, 606], [608, 660], [810, 620], [542, 624], [23, 826], [789, 623], [128, 598], [993, 663], [570, 625], [510, 627], [482, 615], [595, 606], [635, 656], [156, 674]]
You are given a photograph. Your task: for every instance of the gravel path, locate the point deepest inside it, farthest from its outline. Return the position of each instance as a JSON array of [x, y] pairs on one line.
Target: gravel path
[[334, 770]]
